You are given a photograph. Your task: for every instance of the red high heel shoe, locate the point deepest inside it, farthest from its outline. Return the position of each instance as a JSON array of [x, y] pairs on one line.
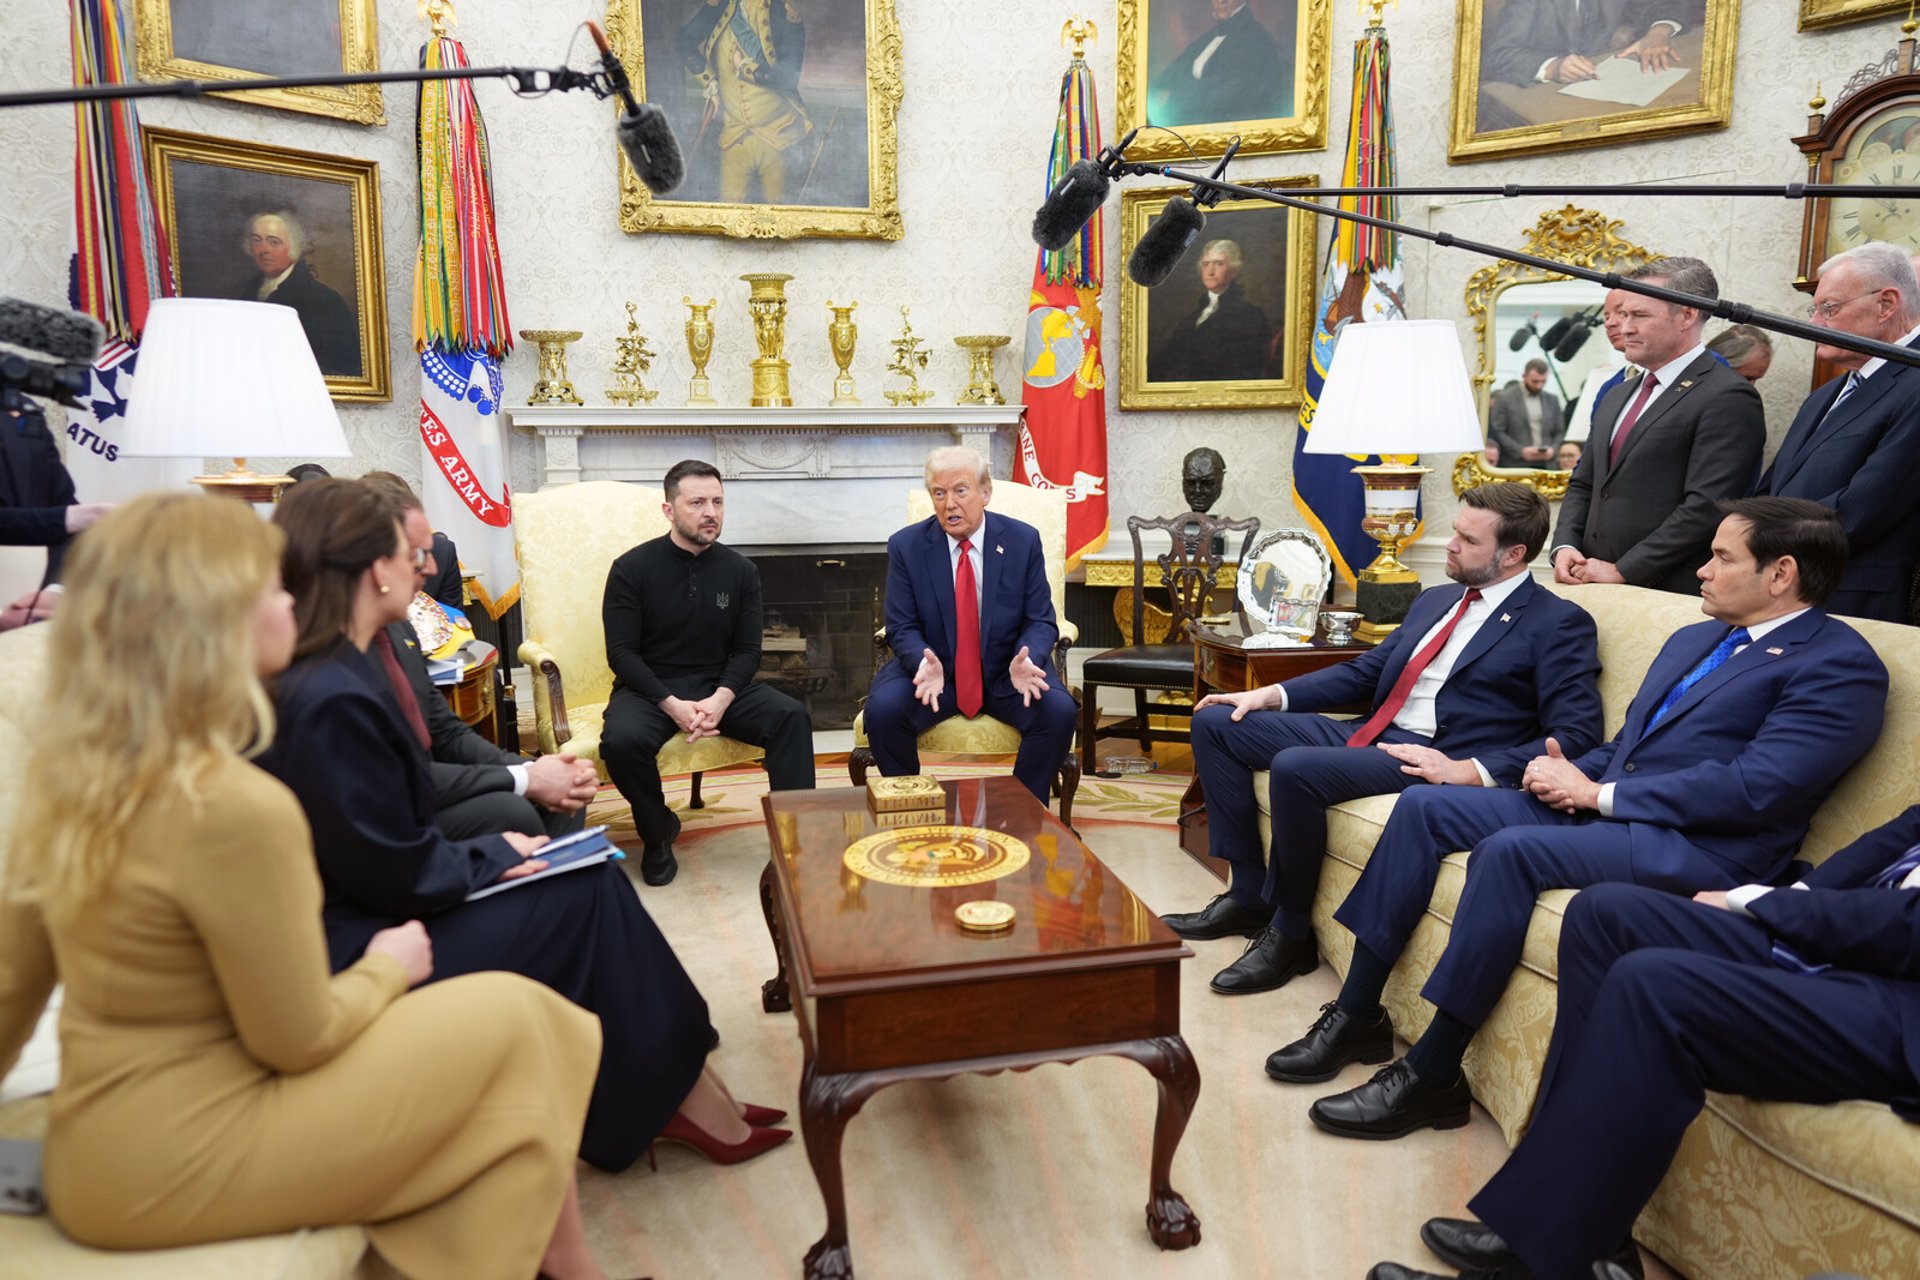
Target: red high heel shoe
[[682, 1130], [760, 1117]]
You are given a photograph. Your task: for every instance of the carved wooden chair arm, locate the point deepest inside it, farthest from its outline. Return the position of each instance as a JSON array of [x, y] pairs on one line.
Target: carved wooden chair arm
[[545, 666]]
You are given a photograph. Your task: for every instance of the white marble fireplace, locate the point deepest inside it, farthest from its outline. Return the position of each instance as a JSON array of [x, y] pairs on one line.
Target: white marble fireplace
[[807, 476]]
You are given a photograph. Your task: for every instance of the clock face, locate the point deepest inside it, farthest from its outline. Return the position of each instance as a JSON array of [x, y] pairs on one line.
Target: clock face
[[1883, 152]]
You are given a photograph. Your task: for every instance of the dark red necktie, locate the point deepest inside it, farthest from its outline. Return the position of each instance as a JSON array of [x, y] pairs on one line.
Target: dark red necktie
[[1376, 723], [1647, 384], [402, 689], [966, 649]]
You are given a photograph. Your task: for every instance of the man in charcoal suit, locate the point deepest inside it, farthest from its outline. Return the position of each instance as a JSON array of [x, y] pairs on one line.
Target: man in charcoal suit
[[1562, 41], [1526, 420], [1741, 727], [1855, 444]]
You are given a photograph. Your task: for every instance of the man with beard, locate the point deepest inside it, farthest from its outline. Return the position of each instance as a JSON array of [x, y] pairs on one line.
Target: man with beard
[[1464, 693], [682, 621], [1225, 339]]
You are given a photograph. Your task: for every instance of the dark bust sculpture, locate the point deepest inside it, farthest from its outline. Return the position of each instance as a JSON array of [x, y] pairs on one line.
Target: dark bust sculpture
[[1202, 473]]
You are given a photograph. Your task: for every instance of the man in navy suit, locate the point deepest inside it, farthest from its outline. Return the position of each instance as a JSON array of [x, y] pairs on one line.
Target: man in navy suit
[[1463, 692], [970, 619], [1855, 444], [1808, 994], [1741, 727]]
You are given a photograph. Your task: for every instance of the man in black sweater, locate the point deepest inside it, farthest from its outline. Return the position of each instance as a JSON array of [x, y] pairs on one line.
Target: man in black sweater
[[682, 620]]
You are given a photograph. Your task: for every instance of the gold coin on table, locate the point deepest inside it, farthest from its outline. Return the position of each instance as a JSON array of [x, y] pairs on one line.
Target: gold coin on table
[[984, 916]]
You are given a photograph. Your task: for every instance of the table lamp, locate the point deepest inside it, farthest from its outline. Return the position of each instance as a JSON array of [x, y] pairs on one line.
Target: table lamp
[[218, 378], [1396, 387]]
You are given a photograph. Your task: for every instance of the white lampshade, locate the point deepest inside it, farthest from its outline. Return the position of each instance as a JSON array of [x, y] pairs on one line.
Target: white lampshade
[[1396, 387], [220, 379]]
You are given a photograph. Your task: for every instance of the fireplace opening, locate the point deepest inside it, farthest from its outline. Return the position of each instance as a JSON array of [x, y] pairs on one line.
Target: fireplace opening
[[822, 606]]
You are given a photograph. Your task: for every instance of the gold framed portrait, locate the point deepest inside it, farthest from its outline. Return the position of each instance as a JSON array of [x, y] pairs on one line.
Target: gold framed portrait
[[234, 40], [1522, 84], [785, 110], [296, 228], [1815, 14], [1207, 69], [1231, 327]]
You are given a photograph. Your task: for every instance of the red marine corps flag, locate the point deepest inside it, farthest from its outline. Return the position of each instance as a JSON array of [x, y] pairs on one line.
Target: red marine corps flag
[[1063, 442]]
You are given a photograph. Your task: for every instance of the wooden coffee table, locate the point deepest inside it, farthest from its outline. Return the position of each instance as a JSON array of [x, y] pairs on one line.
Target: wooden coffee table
[[891, 988]]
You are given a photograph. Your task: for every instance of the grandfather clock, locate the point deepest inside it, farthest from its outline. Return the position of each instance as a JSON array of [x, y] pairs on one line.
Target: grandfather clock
[[1871, 136]]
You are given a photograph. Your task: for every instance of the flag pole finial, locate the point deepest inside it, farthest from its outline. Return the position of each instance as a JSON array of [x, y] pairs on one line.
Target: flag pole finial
[[1377, 17], [1079, 29], [440, 13]]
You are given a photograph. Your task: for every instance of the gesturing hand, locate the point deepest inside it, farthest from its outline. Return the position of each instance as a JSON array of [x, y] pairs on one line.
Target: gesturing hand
[[1555, 782], [1429, 765], [409, 944], [1029, 681], [929, 680]]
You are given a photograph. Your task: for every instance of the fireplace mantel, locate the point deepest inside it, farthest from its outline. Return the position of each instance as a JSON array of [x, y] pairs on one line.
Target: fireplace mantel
[[795, 474]]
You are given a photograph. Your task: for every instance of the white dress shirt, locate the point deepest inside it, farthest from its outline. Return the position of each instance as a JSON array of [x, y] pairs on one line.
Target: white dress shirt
[[1213, 305], [1755, 634], [268, 286]]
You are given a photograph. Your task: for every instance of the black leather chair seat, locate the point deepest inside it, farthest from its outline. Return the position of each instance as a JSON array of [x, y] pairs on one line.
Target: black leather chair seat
[[1156, 666]]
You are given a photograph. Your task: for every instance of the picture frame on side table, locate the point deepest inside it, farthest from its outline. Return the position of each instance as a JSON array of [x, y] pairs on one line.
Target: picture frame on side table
[[785, 110], [1518, 91], [1206, 69], [1250, 352], [239, 214], [236, 40]]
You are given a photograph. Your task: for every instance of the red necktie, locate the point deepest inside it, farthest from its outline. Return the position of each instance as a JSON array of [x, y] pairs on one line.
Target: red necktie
[[1365, 735], [966, 655], [1647, 384], [402, 689]]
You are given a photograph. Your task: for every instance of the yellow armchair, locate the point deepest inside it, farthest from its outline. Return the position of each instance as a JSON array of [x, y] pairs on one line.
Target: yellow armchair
[[1046, 511], [566, 538]]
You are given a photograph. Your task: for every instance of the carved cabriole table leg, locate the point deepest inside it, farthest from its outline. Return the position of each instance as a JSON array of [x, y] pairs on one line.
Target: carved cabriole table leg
[[827, 1103], [774, 997], [1170, 1221]]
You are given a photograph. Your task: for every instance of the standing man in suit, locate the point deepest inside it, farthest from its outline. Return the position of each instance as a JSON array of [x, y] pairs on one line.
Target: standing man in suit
[[1804, 994], [1740, 729], [1463, 693], [1526, 420], [1855, 444], [1665, 448], [1563, 41], [970, 621], [1232, 71], [479, 790], [682, 620]]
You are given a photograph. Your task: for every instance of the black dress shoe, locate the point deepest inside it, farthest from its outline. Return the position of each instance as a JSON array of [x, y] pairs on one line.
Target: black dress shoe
[[1393, 1104], [1394, 1271], [1221, 918], [658, 865], [1268, 963], [1464, 1243], [1333, 1041]]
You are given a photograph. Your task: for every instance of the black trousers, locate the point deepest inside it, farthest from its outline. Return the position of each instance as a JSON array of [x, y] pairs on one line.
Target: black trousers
[[497, 811], [636, 728]]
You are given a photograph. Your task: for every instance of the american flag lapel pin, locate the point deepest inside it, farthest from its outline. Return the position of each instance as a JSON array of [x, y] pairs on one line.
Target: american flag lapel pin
[[1685, 383], [999, 550], [1506, 617], [1775, 652]]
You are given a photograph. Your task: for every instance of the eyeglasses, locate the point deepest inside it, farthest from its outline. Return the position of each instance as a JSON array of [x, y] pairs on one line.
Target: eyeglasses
[[1832, 309], [419, 556]]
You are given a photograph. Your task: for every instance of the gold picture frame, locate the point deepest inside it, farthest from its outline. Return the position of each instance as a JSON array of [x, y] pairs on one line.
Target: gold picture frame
[[212, 39], [1815, 14], [1157, 34], [844, 163], [1156, 368], [1496, 114], [209, 190]]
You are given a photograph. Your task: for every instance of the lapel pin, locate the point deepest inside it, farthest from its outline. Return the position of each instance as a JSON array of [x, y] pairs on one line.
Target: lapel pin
[[1775, 652], [1685, 383], [999, 550], [1506, 617]]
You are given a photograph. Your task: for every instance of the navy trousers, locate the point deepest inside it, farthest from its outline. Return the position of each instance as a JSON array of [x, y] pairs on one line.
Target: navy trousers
[[1660, 1000], [1520, 848], [1311, 767], [895, 719]]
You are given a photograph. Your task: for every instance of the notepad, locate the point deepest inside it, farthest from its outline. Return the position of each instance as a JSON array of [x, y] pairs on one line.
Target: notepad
[[1621, 80], [588, 848]]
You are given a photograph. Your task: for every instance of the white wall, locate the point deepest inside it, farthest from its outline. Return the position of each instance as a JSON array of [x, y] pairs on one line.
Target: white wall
[[981, 86]]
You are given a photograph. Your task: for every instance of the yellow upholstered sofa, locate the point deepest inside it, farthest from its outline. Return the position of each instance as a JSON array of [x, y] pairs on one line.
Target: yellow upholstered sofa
[[1758, 1190], [566, 538], [33, 1248]]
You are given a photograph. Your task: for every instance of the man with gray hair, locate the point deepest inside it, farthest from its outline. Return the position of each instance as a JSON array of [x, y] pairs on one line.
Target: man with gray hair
[[1855, 444], [277, 243], [971, 625], [1666, 447], [1746, 348], [1224, 338]]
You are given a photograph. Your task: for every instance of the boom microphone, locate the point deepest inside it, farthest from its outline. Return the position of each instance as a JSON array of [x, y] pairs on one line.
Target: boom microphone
[[1165, 242], [1081, 191], [645, 137], [1529, 330], [1557, 332], [65, 335], [1571, 344]]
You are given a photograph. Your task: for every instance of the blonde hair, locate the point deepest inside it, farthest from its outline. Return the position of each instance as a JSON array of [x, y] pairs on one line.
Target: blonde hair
[[150, 681]]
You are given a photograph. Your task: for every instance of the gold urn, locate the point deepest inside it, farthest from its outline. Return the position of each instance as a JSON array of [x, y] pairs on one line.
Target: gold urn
[[768, 306], [842, 334], [699, 349]]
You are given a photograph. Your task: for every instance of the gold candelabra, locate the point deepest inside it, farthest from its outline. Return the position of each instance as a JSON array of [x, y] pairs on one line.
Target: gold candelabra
[[552, 385], [909, 361], [768, 306], [630, 365], [699, 349]]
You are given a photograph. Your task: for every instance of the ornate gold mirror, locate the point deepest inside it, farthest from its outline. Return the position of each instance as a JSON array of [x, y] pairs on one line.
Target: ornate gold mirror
[[1523, 316]]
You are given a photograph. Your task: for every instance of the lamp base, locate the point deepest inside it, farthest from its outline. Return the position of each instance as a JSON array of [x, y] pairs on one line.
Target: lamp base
[[245, 484], [1386, 588], [1384, 605]]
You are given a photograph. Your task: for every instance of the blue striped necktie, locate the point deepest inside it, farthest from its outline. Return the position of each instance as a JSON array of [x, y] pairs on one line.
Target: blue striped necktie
[[1903, 866], [1708, 665]]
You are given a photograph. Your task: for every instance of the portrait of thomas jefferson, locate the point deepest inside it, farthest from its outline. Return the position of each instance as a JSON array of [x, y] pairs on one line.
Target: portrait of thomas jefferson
[[1220, 336]]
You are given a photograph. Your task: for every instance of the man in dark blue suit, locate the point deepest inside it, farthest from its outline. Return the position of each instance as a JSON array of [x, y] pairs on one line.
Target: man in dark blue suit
[[1809, 994], [970, 619], [1855, 444], [1741, 727], [1464, 692]]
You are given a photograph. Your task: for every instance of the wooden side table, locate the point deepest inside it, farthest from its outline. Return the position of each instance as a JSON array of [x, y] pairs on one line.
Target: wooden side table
[[472, 697], [1223, 664]]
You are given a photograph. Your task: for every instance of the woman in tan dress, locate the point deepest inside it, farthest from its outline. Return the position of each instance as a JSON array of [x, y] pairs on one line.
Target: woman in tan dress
[[215, 1081]]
